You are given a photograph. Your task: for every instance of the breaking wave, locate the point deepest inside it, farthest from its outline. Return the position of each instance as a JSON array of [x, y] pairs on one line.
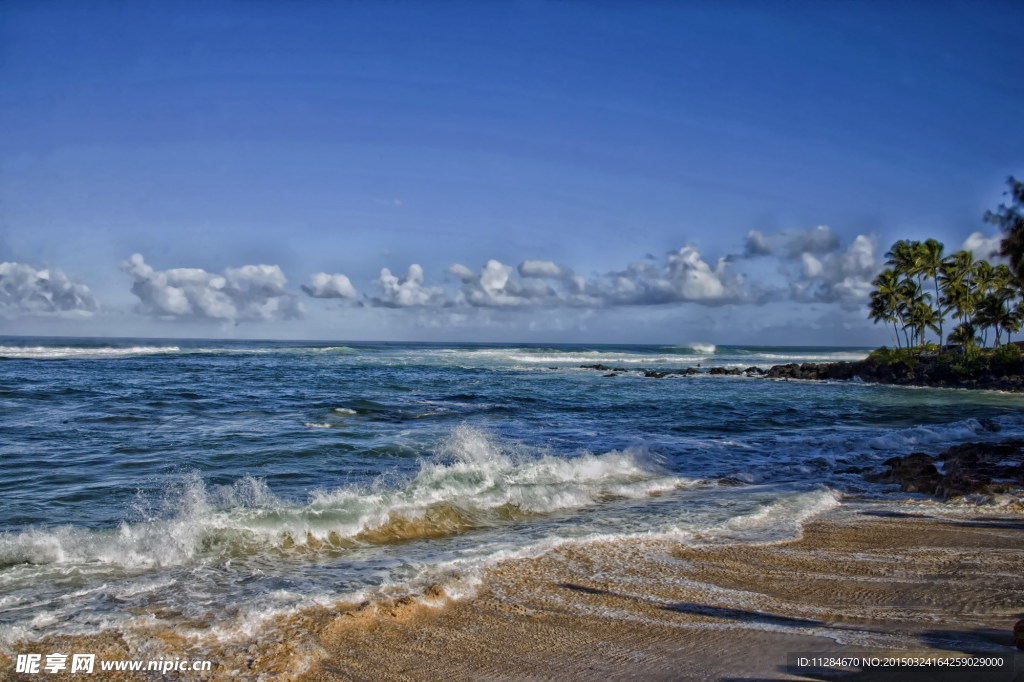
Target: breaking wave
[[48, 352], [474, 481]]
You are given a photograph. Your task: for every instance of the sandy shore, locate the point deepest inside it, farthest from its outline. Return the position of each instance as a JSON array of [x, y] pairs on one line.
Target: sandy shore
[[859, 580], [865, 578]]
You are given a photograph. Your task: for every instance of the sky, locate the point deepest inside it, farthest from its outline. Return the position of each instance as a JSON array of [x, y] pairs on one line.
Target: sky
[[603, 172]]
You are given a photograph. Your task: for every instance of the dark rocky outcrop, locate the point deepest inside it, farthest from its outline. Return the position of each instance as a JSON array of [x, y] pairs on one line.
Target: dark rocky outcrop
[[983, 468], [927, 372]]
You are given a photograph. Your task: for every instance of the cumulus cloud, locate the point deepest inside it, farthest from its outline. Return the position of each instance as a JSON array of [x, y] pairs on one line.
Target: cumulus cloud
[[408, 291], [756, 245], [983, 247], [684, 276], [323, 285], [819, 240], [539, 284], [543, 269], [791, 244], [462, 272], [843, 275], [25, 290], [251, 292], [814, 268]]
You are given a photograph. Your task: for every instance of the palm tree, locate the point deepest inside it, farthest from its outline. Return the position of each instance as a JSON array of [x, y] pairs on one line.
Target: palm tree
[[955, 276], [911, 298], [885, 300], [902, 257], [922, 318], [963, 334], [929, 264]]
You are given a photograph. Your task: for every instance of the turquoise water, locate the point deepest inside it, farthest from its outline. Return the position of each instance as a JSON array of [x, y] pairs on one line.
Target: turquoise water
[[202, 482]]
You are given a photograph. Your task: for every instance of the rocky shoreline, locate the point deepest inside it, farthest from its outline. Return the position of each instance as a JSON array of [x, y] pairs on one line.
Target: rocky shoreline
[[988, 469], [927, 372]]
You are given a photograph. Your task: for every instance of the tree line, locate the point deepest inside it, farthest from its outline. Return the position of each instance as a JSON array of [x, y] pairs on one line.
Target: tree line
[[960, 299]]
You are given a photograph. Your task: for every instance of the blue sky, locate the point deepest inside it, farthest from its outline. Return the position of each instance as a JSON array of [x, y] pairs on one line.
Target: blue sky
[[605, 172]]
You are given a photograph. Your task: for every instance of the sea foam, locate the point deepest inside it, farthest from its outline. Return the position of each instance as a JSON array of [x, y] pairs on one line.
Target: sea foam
[[53, 352], [473, 481]]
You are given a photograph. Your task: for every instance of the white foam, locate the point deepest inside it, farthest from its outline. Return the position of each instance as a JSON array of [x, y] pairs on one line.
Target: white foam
[[480, 478], [52, 352]]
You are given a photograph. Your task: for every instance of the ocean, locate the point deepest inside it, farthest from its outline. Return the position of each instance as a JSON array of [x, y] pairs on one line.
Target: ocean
[[213, 487]]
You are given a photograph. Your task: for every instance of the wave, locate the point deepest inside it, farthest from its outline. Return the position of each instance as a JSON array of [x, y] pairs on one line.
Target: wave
[[48, 352], [474, 481]]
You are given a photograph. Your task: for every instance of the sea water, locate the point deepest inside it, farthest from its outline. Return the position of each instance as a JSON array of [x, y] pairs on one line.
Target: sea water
[[209, 486]]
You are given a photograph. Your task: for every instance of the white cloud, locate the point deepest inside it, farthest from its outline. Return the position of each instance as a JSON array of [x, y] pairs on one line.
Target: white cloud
[[251, 292], [539, 284], [323, 285], [791, 243], [685, 276], [408, 291], [25, 290], [986, 248], [819, 240], [462, 272], [812, 267], [756, 245], [543, 269], [843, 275]]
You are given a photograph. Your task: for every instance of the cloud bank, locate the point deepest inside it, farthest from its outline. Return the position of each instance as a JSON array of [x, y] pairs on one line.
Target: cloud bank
[[25, 290], [812, 266], [251, 292]]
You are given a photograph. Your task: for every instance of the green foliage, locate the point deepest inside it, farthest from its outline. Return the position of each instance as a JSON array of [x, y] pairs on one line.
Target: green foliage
[[890, 356], [1007, 354], [966, 361]]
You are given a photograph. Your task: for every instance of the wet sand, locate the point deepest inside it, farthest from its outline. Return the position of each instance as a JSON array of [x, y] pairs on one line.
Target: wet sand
[[865, 578], [859, 580]]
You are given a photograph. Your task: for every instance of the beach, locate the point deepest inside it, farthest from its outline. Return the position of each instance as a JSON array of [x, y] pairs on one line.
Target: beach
[[298, 511], [866, 580]]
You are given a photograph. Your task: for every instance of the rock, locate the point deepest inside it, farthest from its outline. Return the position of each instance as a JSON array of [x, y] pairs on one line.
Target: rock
[[754, 370], [788, 371], [968, 469], [929, 370], [651, 374], [915, 473], [599, 367], [724, 371]]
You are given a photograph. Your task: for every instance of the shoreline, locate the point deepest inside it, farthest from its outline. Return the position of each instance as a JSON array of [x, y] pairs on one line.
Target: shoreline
[[862, 578], [918, 578], [927, 375]]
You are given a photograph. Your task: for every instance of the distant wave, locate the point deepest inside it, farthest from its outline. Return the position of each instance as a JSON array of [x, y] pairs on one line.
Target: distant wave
[[47, 352], [704, 348]]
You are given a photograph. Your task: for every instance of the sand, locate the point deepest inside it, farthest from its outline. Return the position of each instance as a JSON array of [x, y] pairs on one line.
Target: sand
[[859, 580], [863, 579]]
